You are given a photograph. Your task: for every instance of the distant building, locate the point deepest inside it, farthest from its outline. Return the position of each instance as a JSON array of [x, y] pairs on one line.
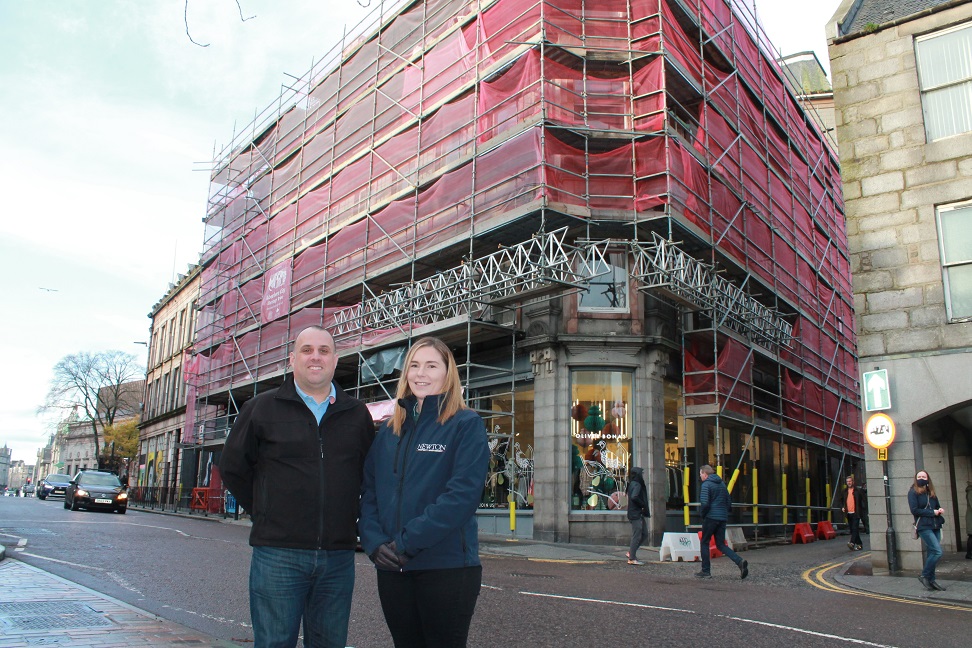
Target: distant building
[[903, 99], [808, 80], [5, 454], [163, 459]]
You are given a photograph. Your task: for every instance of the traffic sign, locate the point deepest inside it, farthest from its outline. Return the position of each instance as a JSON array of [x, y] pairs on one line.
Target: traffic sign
[[877, 390], [879, 431]]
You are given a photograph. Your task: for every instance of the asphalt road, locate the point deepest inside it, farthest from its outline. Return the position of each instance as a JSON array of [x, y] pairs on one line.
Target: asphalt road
[[194, 572]]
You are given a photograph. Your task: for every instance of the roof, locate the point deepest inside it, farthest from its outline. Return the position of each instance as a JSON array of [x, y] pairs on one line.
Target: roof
[[864, 13], [805, 74]]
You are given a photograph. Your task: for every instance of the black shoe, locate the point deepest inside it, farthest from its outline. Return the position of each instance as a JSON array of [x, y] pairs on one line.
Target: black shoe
[[926, 583], [743, 569], [850, 545], [935, 585], [703, 574]]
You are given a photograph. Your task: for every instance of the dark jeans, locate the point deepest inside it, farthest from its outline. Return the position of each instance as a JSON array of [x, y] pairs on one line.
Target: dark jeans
[[639, 533], [288, 586], [429, 608], [854, 525], [716, 528]]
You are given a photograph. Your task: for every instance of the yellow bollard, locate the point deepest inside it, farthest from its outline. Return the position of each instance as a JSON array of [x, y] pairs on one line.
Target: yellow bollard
[[808, 500], [830, 513], [685, 495], [512, 501], [755, 496]]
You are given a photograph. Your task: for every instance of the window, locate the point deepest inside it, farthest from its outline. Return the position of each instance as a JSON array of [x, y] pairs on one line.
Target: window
[[945, 79], [607, 291], [955, 243], [600, 430]]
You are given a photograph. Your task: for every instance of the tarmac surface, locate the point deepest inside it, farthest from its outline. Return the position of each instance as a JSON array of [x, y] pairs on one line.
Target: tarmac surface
[[38, 608]]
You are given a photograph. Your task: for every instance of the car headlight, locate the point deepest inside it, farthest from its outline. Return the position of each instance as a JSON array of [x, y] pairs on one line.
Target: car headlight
[[123, 496], [80, 493]]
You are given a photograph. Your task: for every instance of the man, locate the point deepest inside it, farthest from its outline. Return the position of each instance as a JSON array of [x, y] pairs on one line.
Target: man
[[294, 459], [715, 508], [853, 502]]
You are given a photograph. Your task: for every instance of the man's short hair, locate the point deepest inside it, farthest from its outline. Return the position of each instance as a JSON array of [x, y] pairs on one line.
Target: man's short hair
[[707, 469]]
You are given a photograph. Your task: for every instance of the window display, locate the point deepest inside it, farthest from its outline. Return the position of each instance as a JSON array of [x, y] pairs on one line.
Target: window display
[[600, 429]]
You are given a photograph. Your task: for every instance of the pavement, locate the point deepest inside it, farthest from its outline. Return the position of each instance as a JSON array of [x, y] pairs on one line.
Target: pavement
[[39, 608]]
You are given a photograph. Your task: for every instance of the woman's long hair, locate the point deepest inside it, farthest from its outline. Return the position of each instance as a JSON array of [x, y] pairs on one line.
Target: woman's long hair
[[450, 401], [921, 490]]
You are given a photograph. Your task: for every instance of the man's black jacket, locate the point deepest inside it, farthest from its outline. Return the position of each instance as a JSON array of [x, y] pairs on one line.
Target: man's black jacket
[[300, 481]]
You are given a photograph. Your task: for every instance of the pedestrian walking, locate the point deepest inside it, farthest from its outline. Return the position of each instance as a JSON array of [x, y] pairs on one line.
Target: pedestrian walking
[[423, 480], [853, 503], [929, 520], [638, 513], [294, 459], [715, 507]]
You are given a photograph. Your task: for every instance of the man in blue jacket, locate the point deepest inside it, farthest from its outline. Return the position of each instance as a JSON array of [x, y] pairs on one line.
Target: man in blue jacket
[[715, 506]]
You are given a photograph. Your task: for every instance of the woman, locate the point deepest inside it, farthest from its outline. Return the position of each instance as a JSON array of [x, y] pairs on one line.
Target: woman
[[637, 493], [423, 480], [928, 518]]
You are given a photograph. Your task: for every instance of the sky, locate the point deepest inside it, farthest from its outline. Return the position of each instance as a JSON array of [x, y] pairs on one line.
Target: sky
[[111, 113]]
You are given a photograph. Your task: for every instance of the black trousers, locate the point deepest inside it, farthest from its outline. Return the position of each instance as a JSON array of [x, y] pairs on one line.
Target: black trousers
[[430, 608], [854, 526]]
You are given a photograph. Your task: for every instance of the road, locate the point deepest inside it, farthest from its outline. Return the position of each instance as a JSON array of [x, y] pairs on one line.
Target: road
[[194, 572]]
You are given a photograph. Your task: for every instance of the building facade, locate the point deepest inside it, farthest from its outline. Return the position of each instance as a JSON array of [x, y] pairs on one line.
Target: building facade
[[164, 463], [619, 217], [903, 93]]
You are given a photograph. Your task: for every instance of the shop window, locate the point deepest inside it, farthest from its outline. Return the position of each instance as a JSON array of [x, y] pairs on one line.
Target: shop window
[[955, 242], [600, 430], [509, 426], [944, 62], [607, 290]]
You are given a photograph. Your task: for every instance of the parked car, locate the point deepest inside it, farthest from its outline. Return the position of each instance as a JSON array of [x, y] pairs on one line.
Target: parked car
[[94, 489], [53, 485]]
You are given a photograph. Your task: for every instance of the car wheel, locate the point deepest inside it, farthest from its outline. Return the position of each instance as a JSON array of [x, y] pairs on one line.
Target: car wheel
[[66, 505], [123, 511], [74, 505], [42, 497]]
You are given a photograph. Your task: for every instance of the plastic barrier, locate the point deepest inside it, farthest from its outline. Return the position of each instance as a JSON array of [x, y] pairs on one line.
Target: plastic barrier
[[803, 533], [825, 530], [200, 499], [736, 539], [713, 552], [679, 547]]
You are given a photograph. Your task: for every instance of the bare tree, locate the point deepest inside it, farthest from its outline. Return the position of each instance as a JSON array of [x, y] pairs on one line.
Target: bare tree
[[105, 386]]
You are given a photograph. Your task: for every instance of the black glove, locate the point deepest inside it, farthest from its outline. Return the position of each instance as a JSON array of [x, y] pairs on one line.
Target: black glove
[[402, 556], [385, 557]]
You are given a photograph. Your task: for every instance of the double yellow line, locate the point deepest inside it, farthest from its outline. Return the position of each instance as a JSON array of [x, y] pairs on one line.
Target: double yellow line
[[817, 577]]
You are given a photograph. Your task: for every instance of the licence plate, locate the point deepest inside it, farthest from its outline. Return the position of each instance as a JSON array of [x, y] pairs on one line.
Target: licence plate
[[103, 501]]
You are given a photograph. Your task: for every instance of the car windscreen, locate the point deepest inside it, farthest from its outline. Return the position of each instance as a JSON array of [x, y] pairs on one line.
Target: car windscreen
[[100, 480], [58, 478]]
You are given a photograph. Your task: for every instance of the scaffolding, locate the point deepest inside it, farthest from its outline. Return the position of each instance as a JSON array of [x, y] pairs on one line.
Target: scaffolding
[[452, 160]]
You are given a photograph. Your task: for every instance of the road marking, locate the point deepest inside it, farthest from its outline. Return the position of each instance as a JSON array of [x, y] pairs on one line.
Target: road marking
[[64, 562], [813, 633], [816, 576], [621, 603], [860, 642]]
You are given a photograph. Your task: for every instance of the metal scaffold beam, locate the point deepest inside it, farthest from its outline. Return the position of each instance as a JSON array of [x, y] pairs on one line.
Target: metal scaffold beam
[[519, 271], [661, 265]]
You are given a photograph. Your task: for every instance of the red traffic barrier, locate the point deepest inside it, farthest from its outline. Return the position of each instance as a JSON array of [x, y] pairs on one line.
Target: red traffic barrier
[[713, 552], [803, 533], [825, 530]]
